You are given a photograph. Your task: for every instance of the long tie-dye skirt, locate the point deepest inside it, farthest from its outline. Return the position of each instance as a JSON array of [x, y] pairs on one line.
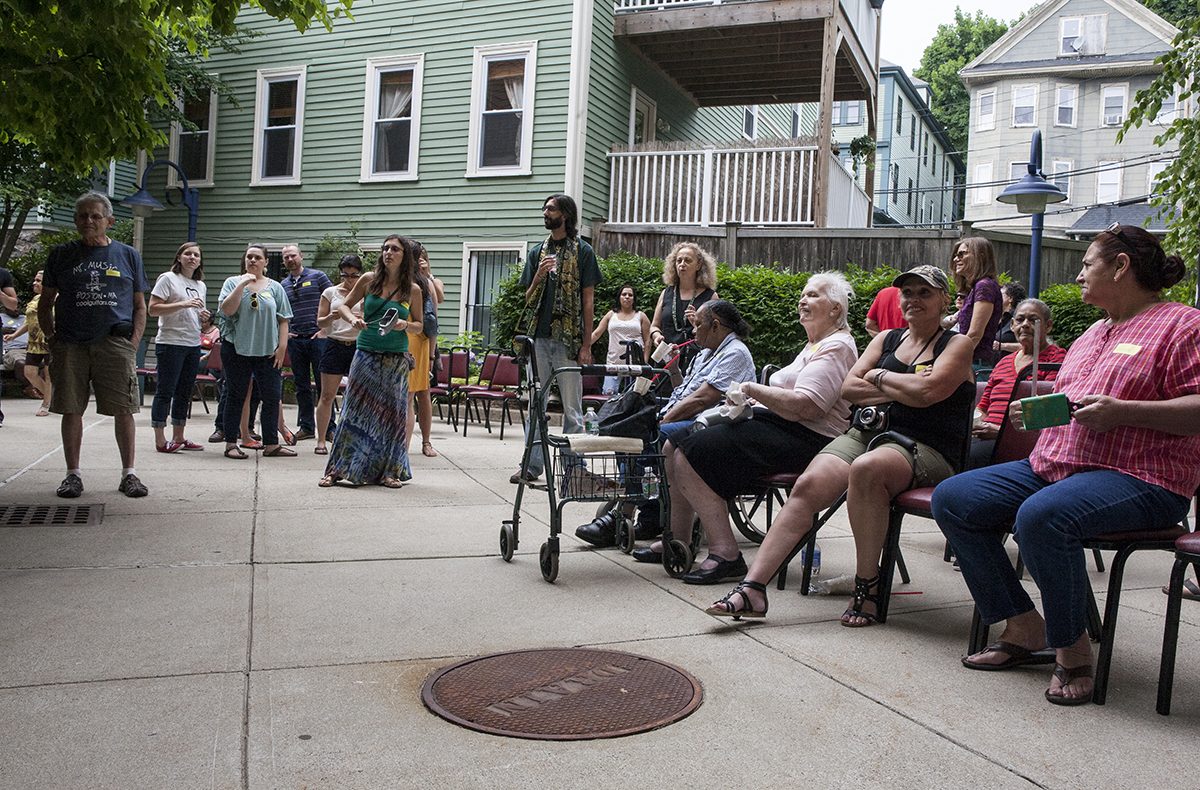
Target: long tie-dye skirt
[[369, 445]]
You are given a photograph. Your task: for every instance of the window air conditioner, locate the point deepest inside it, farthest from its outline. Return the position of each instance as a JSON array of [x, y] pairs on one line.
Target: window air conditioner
[[1113, 120]]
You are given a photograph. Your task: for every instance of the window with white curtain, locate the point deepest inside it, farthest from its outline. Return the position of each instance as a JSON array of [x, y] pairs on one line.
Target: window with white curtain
[[982, 195], [1108, 182], [278, 126], [392, 118], [1024, 105], [502, 101]]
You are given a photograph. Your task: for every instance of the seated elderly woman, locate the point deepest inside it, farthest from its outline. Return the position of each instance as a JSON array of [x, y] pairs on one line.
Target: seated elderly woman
[[1031, 322], [920, 379], [1128, 459], [804, 409]]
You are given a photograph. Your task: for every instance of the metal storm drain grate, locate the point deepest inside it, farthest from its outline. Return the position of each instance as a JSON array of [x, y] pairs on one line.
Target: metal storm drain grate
[[51, 515], [562, 694]]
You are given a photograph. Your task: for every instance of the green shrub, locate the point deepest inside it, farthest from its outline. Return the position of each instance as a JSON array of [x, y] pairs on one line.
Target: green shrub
[[1071, 315]]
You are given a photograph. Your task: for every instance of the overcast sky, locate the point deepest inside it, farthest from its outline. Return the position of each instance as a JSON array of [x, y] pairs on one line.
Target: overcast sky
[[909, 25]]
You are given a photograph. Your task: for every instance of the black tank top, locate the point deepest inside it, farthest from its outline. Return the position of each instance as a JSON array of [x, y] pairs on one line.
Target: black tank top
[[941, 425], [676, 328]]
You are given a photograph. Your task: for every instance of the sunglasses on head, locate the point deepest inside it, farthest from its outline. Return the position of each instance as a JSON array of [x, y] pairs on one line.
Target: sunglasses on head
[[1115, 229]]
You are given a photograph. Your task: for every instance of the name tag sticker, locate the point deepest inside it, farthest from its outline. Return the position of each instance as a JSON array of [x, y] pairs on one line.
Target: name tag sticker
[[1128, 349], [922, 367], [306, 282], [112, 272]]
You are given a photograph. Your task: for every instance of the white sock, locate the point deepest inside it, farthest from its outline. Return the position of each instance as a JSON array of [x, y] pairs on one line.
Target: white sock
[[128, 471], [77, 472]]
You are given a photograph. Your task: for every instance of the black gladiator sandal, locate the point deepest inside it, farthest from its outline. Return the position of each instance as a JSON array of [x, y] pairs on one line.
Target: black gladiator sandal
[[862, 594]]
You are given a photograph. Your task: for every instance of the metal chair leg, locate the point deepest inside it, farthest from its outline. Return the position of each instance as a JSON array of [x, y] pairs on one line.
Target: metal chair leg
[[1166, 668], [1108, 625]]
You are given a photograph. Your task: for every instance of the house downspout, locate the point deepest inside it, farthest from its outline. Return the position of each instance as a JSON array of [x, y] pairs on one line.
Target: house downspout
[[577, 102]]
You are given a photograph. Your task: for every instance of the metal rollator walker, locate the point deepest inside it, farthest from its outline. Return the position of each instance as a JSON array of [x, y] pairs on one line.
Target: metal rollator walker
[[586, 468]]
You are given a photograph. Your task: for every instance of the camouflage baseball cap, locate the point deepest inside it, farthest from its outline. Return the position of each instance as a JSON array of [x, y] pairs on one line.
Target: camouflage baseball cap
[[931, 275]]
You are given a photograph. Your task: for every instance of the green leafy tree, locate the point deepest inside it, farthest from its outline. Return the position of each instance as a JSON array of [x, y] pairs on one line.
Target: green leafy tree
[[954, 46], [85, 82], [1177, 185], [26, 182], [1177, 12]]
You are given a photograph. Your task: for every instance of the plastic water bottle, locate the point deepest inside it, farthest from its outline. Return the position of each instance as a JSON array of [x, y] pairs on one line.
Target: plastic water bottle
[[650, 483], [815, 586], [591, 423]]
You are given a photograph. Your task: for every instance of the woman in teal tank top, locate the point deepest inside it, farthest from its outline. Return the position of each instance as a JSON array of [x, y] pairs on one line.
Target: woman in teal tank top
[[370, 445]]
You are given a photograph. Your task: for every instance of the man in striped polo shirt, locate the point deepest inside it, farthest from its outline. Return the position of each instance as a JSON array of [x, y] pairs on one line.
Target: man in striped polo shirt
[[304, 287]]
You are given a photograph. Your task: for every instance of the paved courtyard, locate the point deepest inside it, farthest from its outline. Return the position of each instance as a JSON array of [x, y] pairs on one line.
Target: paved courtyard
[[241, 627]]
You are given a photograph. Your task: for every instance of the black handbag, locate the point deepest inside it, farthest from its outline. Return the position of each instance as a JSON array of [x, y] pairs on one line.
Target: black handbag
[[630, 415]]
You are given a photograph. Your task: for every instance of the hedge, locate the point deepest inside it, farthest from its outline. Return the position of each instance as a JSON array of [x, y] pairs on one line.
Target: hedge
[[768, 296]]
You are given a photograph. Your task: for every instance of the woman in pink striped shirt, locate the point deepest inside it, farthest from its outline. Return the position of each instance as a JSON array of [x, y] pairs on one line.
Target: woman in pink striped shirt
[[1127, 460]]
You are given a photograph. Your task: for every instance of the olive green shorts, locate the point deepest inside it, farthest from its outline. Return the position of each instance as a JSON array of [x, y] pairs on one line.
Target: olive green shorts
[[106, 365], [929, 467]]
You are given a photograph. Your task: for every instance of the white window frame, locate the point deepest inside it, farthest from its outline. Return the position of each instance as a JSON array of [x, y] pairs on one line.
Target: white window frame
[[1073, 104], [1161, 118], [1025, 87], [483, 55], [649, 110], [983, 122], [1063, 51], [1108, 167], [795, 121], [376, 67], [750, 113], [1064, 166], [173, 146], [982, 196], [467, 285], [1123, 88], [1017, 170], [846, 113], [265, 77], [1153, 171]]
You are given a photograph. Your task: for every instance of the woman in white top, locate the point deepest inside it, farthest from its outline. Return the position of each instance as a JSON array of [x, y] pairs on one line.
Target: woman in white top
[[623, 323], [177, 301], [340, 340], [804, 410]]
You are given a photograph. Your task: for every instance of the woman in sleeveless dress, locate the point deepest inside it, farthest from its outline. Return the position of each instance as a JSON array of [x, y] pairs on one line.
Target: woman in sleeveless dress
[[690, 274], [623, 323]]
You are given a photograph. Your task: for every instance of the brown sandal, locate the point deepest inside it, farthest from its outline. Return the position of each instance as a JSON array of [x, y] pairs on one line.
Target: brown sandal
[[279, 452], [391, 482], [327, 481], [232, 451], [427, 450]]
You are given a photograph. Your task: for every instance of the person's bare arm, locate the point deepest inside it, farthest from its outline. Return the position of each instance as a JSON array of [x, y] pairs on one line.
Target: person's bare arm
[[930, 386], [8, 298], [325, 316], [980, 314], [1177, 416], [281, 349], [703, 398], [45, 311], [139, 318], [589, 306], [872, 326], [856, 388], [656, 322], [345, 309]]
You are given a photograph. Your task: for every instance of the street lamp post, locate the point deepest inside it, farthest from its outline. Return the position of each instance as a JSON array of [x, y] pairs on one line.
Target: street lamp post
[[142, 203], [1031, 194]]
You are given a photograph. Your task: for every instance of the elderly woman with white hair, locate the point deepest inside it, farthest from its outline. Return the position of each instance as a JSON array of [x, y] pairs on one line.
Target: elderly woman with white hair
[[803, 409]]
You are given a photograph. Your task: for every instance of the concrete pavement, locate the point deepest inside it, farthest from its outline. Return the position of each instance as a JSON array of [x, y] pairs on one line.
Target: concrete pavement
[[241, 627]]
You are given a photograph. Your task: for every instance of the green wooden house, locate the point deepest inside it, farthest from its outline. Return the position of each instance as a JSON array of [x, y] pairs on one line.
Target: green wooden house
[[450, 120]]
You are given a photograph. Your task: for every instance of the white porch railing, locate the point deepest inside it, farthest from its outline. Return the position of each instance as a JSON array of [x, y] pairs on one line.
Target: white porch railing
[[848, 205], [655, 5], [754, 186]]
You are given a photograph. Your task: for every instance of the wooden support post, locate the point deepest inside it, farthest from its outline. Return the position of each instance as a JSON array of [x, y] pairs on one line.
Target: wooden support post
[[825, 123], [731, 243]]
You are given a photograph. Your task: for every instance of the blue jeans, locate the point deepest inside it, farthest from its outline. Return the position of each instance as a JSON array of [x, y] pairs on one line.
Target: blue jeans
[[975, 509], [552, 355], [305, 354], [177, 366], [671, 431], [238, 372]]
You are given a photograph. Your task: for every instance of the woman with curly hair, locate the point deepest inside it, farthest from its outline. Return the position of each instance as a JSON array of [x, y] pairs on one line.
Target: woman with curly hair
[[690, 277]]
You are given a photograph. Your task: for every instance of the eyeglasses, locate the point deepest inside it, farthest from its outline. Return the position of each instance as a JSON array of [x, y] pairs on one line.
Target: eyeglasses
[[1115, 229], [349, 276], [960, 254], [1023, 319], [392, 248], [253, 300], [92, 217]]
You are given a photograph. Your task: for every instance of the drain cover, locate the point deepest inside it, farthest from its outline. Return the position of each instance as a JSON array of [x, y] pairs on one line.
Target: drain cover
[[562, 694], [51, 515]]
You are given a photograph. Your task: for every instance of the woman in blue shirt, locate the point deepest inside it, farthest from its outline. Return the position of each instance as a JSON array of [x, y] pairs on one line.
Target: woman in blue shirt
[[253, 344], [370, 445]]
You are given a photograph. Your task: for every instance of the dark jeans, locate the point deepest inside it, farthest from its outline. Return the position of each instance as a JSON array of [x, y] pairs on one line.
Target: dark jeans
[[177, 366], [238, 372], [306, 368], [975, 509]]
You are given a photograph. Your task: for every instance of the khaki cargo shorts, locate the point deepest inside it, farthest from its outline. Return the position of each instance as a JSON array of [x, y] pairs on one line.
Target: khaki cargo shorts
[[929, 467], [107, 366]]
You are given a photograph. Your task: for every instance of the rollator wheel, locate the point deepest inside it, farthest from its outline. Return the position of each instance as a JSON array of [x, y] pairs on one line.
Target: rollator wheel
[[626, 539], [677, 558], [508, 542], [548, 560]]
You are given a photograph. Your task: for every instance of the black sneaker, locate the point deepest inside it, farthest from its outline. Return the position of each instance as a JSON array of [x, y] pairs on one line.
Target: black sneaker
[[217, 436], [523, 477], [71, 487], [131, 487], [303, 434], [600, 533]]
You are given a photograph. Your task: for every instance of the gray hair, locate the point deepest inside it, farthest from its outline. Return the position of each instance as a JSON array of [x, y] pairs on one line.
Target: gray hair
[[94, 198], [838, 289], [1038, 305]]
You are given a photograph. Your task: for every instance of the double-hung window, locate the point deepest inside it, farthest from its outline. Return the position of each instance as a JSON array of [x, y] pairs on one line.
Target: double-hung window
[[1024, 105], [1108, 182], [1066, 97], [1168, 111], [392, 118], [1060, 175], [985, 110], [750, 121], [982, 195], [1112, 104], [1153, 173], [899, 115], [192, 148], [1082, 35], [500, 139], [278, 126]]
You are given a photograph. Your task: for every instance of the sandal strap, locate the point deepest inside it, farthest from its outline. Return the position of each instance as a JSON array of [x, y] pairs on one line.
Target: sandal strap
[[739, 590], [1066, 675]]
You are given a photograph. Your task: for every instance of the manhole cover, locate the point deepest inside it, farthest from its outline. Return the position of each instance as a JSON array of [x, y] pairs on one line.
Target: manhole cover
[[563, 694], [51, 515]]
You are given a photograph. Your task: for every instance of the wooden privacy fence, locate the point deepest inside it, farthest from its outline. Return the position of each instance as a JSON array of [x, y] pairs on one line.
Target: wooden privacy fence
[[813, 249]]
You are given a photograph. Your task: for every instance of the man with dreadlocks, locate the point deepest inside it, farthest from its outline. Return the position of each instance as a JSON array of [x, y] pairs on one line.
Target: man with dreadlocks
[[560, 278]]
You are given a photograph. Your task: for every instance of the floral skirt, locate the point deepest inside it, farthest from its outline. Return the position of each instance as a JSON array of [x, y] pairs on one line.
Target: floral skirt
[[370, 444]]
